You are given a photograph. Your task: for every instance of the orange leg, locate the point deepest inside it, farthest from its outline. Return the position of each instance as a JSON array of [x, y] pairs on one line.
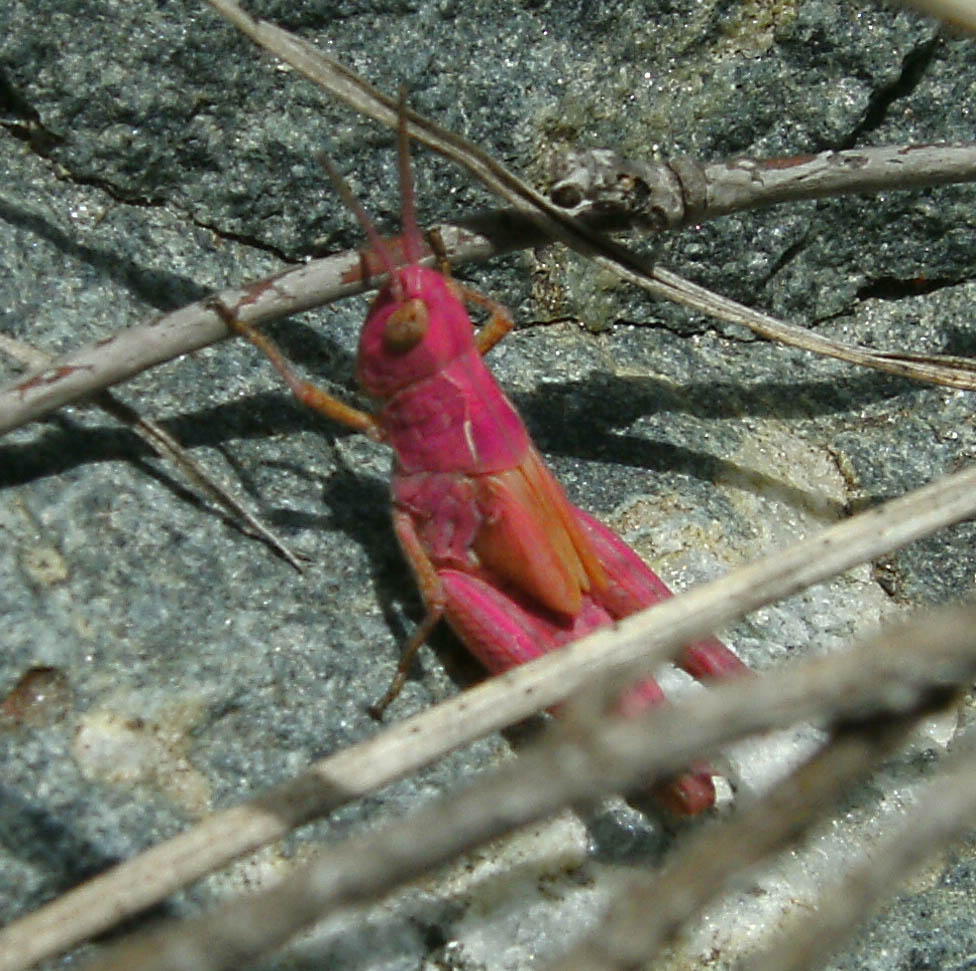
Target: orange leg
[[440, 251], [499, 323], [432, 591], [306, 392]]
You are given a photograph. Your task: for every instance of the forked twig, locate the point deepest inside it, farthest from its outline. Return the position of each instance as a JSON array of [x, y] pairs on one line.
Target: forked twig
[[647, 638], [344, 84]]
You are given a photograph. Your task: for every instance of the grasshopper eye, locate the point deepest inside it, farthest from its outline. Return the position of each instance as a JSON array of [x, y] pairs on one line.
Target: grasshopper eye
[[406, 327]]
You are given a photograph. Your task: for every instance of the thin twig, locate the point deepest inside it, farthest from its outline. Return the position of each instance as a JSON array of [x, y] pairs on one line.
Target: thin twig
[[166, 447], [107, 362], [895, 677], [344, 84], [648, 912], [650, 637], [953, 372], [943, 815]]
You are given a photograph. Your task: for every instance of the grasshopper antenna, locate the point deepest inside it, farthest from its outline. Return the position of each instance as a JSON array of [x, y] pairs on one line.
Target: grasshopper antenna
[[356, 207], [408, 217]]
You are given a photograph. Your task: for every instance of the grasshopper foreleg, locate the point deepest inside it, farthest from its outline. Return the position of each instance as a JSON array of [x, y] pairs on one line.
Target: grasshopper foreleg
[[306, 392], [500, 320], [499, 323]]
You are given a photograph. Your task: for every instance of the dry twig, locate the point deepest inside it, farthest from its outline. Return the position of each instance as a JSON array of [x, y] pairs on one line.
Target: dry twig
[[344, 84], [887, 677], [672, 194], [649, 911], [681, 191], [109, 361], [166, 447], [647, 638], [943, 815]]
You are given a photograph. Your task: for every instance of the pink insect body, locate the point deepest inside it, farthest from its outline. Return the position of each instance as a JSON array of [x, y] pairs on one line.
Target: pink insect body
[[497, 548]]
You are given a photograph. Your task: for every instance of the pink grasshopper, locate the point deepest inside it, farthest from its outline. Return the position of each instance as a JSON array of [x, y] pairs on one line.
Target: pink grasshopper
[[497, 548]]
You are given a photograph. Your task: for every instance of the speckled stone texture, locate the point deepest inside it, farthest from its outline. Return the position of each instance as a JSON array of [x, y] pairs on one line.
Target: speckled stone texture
[[156, 663]]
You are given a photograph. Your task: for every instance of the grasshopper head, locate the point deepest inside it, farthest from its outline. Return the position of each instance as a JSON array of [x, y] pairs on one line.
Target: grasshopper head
[[416, 324], [415, 327]]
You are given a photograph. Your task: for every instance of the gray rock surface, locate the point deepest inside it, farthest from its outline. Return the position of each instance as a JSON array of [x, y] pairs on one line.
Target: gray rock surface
[[151, 156]]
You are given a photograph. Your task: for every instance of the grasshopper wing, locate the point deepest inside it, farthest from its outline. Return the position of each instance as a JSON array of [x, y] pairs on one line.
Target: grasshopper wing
[[530, 537], [632, 586]]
